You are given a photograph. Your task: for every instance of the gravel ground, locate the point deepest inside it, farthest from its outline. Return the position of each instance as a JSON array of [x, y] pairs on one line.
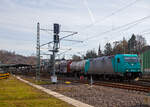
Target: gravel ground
[[100, 96]]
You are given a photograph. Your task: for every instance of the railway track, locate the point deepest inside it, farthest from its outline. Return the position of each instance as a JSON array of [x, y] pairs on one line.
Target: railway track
[[130, 86], [124, 86], [137, 86]]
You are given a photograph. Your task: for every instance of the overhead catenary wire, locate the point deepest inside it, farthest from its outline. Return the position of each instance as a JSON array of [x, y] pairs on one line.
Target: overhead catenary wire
[[114, 29], [128, 25], [119, 27], [73, 40], [109, 15], [73, 33], [121, 9], [145, 31], [113, 13]]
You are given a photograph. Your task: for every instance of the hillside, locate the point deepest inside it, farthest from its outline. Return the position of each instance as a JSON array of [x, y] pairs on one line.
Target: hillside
[[7, 57]]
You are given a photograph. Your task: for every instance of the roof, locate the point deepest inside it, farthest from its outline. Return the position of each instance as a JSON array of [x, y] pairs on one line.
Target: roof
[[14, 65]]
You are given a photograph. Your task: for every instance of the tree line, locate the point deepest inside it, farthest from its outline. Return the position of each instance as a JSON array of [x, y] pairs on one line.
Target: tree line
[[135, 45]]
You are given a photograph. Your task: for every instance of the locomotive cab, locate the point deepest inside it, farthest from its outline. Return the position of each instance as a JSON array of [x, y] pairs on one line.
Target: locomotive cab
[[128, 65]]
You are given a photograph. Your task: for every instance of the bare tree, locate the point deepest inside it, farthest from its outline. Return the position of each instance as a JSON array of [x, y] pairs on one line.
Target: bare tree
[[140, 43], [108, 49], [76, 58], [120, 47], [90, 54], [132, 44]]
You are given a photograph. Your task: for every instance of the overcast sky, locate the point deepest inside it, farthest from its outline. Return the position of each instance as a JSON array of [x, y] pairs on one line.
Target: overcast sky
[[90, 18]]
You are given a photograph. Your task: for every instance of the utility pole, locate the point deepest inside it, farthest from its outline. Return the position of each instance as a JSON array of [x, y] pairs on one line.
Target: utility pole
[[55, 50], [38, 52]]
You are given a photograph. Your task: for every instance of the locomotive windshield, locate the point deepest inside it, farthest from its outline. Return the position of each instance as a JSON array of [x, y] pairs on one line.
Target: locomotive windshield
[[131, 59]]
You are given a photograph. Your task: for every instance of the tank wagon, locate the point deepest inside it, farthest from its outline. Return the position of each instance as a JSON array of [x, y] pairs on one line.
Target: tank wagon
[[78, 66], [61, 66], [125, 66]]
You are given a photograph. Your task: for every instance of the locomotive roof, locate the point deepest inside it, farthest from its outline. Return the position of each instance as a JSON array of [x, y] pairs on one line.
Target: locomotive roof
[[129, 55]]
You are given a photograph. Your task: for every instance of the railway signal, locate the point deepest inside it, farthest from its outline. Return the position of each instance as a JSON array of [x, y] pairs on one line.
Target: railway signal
[[56, 28], [56, 41], [55, 50], [56, 32]]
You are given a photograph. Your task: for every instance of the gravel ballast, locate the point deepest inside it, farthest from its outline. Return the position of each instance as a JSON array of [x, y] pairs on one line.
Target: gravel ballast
[[100, 96]]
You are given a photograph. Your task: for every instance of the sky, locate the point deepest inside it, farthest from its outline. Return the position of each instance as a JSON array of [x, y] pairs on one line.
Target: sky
[[96, 21]]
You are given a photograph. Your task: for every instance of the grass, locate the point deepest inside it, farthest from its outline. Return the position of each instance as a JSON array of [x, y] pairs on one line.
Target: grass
[[39, 82], [42, 82], [14, 93]]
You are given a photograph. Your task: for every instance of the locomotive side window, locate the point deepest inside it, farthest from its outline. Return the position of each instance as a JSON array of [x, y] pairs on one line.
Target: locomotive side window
[[131, 59], [118, 60]]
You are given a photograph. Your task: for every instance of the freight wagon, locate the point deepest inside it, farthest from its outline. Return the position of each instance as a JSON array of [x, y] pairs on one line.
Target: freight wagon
[[145, 64]]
